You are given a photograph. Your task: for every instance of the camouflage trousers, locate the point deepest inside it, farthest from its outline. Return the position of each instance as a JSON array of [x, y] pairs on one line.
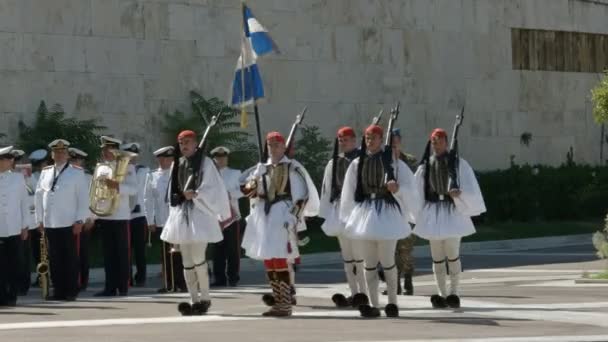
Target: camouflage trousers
[[403, 255]]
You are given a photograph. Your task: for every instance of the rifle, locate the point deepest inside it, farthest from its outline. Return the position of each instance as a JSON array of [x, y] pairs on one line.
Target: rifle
[[335, 192], [453, 154], [294, 127], [201, 151], [388, 149], [176, 194], [376, 119]]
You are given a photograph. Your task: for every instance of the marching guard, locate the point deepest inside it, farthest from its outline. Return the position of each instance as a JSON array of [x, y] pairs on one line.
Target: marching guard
[[199, 201], [14, 220], [272, 224], [157, 211], [377, 210], [345, 150], [451, 197], [61, 209]]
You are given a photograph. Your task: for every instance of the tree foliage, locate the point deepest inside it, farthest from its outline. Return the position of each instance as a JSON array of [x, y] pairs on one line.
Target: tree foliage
[[53, 124], [313, 151], [599, 96], [226, 132]]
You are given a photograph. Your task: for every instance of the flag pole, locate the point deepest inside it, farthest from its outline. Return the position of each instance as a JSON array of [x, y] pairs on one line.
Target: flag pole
[[255, 107], [243, 105]]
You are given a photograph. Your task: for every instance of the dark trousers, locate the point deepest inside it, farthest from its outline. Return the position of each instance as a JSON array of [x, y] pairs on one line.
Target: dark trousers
[[63, 258], [227, 255], [25, 282], [115, 246], [172, 267], [138, 247], [10, 267], [83, 256]]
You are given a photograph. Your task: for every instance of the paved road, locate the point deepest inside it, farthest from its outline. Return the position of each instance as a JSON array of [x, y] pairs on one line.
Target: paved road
[[515, 296]]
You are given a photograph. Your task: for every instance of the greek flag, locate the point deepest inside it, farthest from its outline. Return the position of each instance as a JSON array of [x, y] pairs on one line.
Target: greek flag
[[247, 86]]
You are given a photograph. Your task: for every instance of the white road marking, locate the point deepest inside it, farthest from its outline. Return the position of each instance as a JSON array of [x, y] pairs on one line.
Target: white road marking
[[121, 321], [589, 338]]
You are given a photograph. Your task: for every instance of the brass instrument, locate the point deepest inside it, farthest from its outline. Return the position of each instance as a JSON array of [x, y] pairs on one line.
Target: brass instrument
[[103, 200], [43, 267]]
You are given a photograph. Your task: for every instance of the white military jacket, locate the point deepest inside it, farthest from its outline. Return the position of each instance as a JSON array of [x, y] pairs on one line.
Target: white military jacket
[[157, 209], [62, 196], [231, 181], [14, 205], [141, 173]]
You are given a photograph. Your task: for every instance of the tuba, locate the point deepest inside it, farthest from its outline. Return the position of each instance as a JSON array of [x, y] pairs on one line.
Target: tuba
[[43, 267], [103, 200]]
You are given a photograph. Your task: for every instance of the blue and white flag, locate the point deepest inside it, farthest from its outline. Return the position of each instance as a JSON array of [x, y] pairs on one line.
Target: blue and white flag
[[247, 86]]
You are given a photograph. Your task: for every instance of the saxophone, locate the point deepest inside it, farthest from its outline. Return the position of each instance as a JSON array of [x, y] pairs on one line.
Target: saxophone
[[43, 267]]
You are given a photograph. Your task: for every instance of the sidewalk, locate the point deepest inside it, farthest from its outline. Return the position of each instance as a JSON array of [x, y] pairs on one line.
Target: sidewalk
[[249, 265]]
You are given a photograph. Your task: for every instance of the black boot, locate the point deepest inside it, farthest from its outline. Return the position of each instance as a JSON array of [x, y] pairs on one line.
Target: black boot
[[408, 285]]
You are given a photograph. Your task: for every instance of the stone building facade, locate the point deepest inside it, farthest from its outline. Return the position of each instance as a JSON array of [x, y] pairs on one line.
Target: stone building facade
[[129, 61]]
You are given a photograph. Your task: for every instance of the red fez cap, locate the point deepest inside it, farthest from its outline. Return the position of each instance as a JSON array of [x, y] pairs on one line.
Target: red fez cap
[[374, 129], [276, 136], [346, 132], [186, 134], [439, 133]]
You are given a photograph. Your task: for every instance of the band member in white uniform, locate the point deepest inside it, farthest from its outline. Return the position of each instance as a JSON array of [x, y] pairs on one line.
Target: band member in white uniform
[[138, 224], [446, 213], [14, 221], [157, 211], [227, 253], [197, 207], [62, 198], [39, 160], [114, 228], [377, 211], [77, 159]]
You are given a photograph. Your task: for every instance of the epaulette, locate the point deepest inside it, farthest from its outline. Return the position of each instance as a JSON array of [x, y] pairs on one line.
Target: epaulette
[[47, 167], [78, 167]]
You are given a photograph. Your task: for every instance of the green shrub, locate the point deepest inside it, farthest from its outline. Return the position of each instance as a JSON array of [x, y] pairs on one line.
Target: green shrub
[[525, 193], [53, 124], [313, 151], [227, 131]]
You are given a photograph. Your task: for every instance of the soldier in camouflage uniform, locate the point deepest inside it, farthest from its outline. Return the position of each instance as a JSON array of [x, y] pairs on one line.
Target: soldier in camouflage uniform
[[403, 253]]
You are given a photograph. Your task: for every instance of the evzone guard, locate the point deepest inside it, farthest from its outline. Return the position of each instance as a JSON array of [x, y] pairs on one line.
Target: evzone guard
[[345, 150], [199, 201], [378, 201], [284, 195], [451, 197]]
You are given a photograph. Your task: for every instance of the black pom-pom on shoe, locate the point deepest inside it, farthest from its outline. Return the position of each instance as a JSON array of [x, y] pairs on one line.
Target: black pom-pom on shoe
[[391, 310], [453, 301], [438, 302], [201, 307], [368, 311], [340, 300], [360, 299], [185, 309], [268, 299]]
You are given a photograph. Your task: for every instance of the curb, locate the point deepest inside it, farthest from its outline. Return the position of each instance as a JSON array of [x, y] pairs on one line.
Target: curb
[[96, 275]]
